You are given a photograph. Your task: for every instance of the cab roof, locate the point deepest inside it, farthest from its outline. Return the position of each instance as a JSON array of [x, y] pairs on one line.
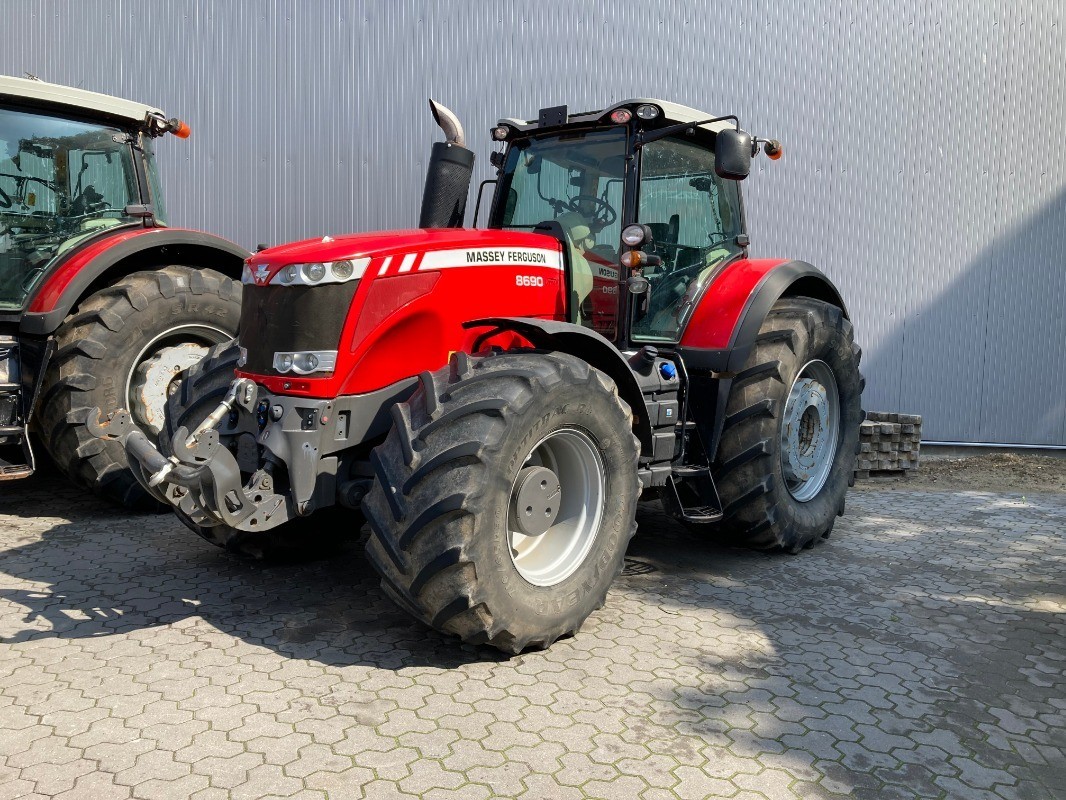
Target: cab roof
[[671, 113], [54, 96]]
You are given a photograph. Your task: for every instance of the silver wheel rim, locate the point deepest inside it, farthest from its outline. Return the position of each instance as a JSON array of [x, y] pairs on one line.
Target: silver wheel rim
[[551, 557], [153, 376], [810, 430]]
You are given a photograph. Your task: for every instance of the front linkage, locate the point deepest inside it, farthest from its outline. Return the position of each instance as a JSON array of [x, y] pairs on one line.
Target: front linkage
[[202, 477]]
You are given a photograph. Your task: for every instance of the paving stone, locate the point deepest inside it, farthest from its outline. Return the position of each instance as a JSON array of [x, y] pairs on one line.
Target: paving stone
[[917, 652]]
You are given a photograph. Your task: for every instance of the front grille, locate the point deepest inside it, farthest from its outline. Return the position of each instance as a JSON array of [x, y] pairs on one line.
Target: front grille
[[278, 319]]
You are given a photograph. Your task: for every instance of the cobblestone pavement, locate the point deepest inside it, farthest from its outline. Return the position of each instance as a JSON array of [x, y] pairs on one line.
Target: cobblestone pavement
[[919, 653]]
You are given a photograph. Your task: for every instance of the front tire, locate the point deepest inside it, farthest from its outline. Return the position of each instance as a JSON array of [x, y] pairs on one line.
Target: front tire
[[122, 349], [791, 432], [481, 451]]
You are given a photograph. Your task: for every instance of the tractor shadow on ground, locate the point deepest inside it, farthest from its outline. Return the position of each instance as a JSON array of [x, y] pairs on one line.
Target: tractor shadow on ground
[[80, 568]]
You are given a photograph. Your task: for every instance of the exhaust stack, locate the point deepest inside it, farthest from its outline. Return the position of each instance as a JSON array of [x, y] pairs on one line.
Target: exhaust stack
[[451, 166]]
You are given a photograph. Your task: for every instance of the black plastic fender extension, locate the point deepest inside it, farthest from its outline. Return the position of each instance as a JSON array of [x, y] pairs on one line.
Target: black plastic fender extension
[[589, 346]]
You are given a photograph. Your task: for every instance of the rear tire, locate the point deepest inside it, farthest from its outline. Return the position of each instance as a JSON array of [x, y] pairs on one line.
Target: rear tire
[[202, 388], [441, 513], [98, 350], [766, 501]]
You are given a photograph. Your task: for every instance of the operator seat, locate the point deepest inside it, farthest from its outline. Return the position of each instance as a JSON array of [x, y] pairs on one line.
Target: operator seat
[[579, 241]]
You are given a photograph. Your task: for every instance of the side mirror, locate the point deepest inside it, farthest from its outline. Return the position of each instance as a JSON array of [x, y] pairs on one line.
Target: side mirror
[[732, 154]]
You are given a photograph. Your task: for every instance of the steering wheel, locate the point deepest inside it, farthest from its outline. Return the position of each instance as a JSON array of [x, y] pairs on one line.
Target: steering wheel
[[593, 208]]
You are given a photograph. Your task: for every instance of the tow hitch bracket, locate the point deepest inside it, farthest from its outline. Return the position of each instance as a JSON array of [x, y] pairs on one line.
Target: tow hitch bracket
[[202, 479]]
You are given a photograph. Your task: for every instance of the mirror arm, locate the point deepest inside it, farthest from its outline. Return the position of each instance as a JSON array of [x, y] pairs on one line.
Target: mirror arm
[[647, 138], [480, 191]]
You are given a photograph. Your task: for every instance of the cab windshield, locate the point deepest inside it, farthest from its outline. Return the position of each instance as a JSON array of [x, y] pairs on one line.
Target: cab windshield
[[695, 219], [61, 182], [577, 180]]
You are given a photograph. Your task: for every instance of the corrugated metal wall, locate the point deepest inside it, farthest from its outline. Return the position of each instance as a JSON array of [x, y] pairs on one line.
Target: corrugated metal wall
[[923, 170]]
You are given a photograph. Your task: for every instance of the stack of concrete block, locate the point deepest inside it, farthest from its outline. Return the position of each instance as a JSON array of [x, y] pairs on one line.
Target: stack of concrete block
[[888, 443]]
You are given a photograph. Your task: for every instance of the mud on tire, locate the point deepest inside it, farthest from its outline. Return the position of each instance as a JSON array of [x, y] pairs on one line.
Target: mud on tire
[[439, 507], [97, 349], [760, 511]]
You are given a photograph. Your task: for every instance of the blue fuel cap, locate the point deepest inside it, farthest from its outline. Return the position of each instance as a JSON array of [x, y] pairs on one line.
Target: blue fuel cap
[[668, 370]]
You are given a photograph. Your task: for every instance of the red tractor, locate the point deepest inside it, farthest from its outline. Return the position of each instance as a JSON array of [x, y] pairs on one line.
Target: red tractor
[[101, 304], [497, 400]]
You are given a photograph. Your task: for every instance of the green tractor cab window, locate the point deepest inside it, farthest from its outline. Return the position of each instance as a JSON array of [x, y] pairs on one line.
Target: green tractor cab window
[[61, 182]]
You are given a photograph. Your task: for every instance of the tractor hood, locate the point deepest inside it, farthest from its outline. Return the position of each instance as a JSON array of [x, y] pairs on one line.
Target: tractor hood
[[373, 306], [405, 246]]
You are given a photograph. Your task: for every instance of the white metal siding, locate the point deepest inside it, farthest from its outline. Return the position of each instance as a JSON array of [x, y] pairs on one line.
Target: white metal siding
[[923, 169]]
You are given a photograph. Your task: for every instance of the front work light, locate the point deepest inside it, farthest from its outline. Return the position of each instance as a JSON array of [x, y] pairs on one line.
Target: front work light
[[306, 362], [499, 133], [634, 235], [647, 111]]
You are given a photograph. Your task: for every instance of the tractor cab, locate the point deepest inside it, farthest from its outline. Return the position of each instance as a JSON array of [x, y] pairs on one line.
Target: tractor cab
[[73, 164], [637, 195]]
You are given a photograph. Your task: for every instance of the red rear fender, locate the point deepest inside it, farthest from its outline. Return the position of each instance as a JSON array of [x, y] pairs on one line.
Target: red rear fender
[[733, 305], [122, 251]]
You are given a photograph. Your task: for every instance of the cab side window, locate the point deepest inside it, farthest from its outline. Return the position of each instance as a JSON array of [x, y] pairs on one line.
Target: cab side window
[[695, 218]]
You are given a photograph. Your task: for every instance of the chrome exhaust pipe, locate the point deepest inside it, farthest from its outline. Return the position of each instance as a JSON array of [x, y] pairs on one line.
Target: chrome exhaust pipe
[[449, 123]]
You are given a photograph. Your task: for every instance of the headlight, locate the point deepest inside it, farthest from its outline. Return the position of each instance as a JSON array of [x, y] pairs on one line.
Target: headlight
[[306, 362], [316, 274]]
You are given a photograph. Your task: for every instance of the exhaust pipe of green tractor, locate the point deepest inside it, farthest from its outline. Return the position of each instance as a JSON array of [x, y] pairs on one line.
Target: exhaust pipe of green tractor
[[451, 166]]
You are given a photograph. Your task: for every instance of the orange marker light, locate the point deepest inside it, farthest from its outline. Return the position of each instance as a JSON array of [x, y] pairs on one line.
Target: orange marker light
[[773, 149], [180, 129]]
